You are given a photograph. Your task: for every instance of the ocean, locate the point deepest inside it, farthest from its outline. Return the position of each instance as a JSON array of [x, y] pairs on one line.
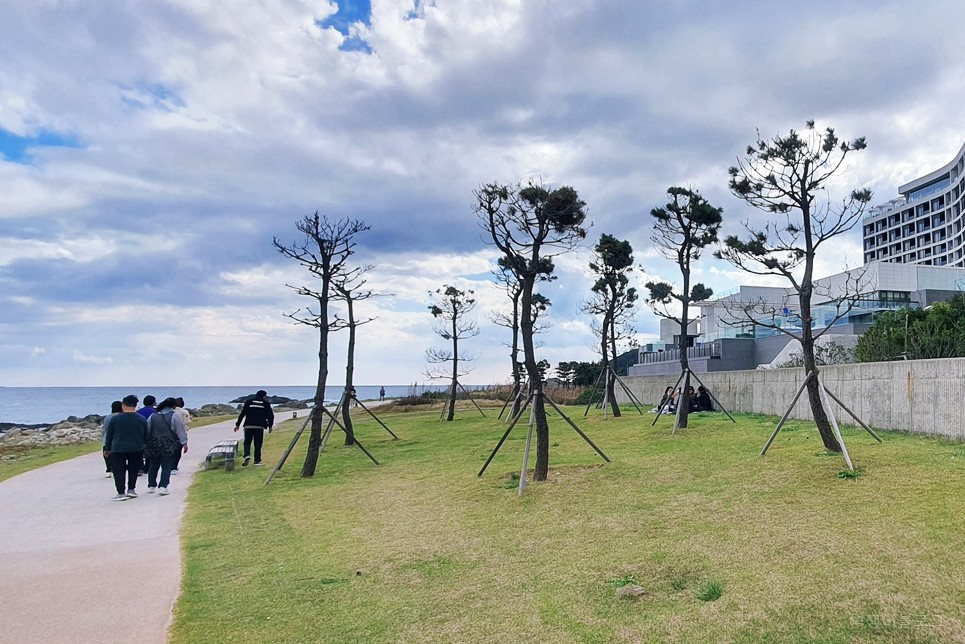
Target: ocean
[[39, 405]]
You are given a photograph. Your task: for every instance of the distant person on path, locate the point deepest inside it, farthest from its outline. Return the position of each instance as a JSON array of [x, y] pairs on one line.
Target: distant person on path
[[167, 439], [185, 417], [124, 444], [257, 416], [147, 411], [115, 410], [381, 394]]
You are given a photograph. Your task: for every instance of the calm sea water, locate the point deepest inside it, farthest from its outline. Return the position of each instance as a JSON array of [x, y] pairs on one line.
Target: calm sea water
[[36, 405]]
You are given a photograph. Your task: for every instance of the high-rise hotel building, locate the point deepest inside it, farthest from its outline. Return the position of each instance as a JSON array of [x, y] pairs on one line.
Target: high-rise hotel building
[[924, 225]]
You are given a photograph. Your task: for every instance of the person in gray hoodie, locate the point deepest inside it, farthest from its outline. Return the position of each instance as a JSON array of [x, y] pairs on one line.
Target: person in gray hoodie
[[167, 439]]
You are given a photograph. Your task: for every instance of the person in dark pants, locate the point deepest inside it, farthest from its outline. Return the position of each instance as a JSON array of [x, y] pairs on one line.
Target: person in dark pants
[[167, 440], [115, 410], [185, 417], [147, 411], [124, 445], [257, 416]]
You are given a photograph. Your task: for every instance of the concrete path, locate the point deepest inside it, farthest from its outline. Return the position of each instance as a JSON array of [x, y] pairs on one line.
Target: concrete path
[[78, 567]]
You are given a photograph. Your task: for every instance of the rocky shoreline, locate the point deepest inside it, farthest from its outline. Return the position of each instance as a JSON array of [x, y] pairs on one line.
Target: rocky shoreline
[[87, 429]]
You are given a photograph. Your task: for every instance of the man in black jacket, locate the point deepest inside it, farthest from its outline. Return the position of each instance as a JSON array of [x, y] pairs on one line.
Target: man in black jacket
[[257, 416]]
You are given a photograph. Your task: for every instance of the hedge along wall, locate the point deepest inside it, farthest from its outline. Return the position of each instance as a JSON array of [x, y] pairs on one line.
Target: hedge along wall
[[919, 396]]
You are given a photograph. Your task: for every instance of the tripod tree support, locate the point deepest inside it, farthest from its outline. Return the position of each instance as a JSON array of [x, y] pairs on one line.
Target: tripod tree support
[[630, 395], [377, 419], [519, 415], [471, 399], [328, 430], [825, 394], [514, 397], [709, 392], [672, 389]]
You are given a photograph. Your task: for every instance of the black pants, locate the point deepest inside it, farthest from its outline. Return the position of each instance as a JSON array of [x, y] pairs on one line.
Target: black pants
[[125, 463], [257, 436]]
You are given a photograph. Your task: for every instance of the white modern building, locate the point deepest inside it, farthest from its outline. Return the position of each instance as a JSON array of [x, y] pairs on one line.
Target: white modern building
[[728, 341], [924, 224]]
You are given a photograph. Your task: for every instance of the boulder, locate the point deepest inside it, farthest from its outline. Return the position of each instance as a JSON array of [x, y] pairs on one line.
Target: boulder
[[213, 409]]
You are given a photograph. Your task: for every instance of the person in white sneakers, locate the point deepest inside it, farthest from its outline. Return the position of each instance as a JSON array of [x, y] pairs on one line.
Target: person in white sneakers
[[257, 416], [166, 441], [124, 440]]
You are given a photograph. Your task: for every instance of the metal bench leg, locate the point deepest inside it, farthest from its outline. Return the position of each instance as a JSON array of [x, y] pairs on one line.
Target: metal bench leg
[[229, 462]]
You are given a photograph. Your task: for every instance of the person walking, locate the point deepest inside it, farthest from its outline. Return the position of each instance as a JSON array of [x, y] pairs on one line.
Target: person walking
[[147, 411], [167, 440], [257, 416], [124, 444], [381, 394], [115, 410], [185, 417]]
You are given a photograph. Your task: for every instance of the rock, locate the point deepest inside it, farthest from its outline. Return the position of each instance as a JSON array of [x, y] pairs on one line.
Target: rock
[[630, 590], [213, 409], [280, 401], [63, 433]]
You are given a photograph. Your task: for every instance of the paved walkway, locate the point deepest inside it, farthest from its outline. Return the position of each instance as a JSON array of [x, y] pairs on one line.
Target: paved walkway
[[78, 567]]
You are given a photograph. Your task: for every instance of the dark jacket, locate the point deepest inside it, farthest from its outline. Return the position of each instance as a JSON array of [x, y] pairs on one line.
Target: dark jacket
[[256, 412], [126, 432]]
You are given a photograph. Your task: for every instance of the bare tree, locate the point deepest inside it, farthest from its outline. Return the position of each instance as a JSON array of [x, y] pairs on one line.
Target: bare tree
[[452, 309], [613, 301], [681, 231], [788, 177], [349, 288], [325, 251], [530, 225]]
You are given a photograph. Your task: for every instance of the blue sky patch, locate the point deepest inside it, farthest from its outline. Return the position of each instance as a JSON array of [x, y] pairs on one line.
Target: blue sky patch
[[350, 12], [17, 148], [147, 95]]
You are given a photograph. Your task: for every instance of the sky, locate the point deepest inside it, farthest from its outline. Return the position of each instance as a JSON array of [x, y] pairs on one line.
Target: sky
[[151, 151]]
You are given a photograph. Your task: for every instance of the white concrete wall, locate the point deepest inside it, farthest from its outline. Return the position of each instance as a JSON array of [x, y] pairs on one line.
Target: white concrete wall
[[919, 396]]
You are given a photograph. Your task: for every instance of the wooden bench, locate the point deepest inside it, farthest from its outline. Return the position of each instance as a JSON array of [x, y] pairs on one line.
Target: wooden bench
[[227, 449]]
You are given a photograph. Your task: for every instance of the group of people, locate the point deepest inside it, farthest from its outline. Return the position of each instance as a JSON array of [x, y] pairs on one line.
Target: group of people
[[147, 440], [698, 400]]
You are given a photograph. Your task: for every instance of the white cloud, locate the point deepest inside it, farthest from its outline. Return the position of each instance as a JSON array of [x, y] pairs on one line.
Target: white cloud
[[203, 130]]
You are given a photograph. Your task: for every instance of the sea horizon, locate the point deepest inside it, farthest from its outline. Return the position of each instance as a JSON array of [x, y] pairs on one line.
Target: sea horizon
[[48, 405]]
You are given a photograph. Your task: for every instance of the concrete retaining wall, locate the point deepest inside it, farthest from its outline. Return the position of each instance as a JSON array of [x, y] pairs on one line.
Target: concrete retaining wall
[[919, 396]]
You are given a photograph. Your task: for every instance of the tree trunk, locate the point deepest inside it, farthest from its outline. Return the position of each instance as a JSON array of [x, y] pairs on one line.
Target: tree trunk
[[455, 374], [514, 355], [348, 394], [611, 378], [541, 470], [608, 397], [683, 400], [315, 438], [818, 412]]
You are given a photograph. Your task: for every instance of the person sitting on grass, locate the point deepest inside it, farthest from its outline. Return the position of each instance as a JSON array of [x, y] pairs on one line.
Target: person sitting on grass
[[704, 402]]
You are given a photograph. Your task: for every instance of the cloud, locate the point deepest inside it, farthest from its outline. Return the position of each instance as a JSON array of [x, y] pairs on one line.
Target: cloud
[[197, 134]]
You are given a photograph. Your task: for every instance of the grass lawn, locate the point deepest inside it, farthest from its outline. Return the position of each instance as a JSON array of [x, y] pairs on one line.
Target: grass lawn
[[420, 549], [17, 459]]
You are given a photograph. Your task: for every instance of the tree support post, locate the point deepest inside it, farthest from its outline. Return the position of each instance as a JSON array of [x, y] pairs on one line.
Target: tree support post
[[672, 389], [787, 412]]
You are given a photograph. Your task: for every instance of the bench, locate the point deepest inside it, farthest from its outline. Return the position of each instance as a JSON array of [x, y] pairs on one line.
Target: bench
[[227, 450]]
